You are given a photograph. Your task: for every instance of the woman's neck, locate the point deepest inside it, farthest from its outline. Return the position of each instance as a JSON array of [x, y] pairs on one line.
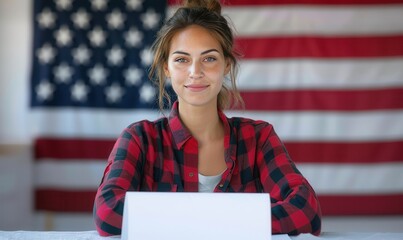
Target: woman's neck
[[203, 122]]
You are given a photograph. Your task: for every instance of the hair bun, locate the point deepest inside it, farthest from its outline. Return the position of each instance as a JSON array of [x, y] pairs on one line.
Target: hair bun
[[211, 5]]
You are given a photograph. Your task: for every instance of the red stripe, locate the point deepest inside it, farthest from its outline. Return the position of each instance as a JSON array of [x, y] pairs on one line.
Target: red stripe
[[328, 100], [299, 2], [82, 201], [343, 152], [361, 204], [300, 152], [320, 47], [78, 149], [64, 200]]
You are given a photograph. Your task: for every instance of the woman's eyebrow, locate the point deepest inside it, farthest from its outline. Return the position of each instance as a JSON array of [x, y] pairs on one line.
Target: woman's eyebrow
[[180, 52], [210, 50], [204, 52]]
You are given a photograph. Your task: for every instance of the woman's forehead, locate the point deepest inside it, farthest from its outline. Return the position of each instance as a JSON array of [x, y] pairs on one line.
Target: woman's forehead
[[194, 38]]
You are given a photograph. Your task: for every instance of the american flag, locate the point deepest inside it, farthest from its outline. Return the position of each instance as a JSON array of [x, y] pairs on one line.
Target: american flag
[[327, 74]]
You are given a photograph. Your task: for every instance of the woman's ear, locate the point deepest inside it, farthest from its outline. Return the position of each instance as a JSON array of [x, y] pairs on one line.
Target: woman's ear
[[166, 71], [227, 67]]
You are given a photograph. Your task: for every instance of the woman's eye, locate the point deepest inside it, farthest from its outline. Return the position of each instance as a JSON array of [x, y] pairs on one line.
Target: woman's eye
[[210, 59], [180, 60]]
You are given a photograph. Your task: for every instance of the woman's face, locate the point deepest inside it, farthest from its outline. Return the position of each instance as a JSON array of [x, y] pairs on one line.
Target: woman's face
[[196, 66]]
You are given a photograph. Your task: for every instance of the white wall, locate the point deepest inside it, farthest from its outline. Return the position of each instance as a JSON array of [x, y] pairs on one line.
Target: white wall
[[15, 47], [15, 162]]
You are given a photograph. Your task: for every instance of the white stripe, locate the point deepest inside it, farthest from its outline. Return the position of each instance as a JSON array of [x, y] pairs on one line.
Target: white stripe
[[333, 126], [354, 178], [327, 20], [320, 74], [68, 174], [99, 123], [304, 125], [314, 20], [325, 178]]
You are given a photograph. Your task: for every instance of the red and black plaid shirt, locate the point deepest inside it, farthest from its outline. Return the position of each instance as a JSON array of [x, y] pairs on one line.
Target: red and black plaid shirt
[[162, 156]]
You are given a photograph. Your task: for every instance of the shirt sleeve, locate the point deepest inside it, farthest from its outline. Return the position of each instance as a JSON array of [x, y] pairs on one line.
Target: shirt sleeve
[[294, 204], [122, 173]]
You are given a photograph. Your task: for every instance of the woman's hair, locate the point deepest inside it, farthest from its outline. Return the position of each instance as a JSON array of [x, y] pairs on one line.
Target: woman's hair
[[207, 14]]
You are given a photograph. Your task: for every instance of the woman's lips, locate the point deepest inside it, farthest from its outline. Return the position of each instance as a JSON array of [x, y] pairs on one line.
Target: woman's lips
[[196, 87]]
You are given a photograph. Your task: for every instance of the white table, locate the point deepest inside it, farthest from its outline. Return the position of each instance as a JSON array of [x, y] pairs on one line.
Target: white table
[[93, 235]]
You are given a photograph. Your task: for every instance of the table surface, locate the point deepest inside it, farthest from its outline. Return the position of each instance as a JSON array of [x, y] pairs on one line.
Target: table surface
[[93, 235]]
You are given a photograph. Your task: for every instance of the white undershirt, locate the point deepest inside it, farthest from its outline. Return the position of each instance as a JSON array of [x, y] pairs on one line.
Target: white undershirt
[[208, 183]]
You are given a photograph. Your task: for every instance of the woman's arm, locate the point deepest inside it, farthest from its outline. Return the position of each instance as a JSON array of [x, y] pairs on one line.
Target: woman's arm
[[295, 207], [123, 173]]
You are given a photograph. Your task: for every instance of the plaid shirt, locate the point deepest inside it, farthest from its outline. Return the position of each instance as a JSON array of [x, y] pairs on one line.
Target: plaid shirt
[[162, 156]]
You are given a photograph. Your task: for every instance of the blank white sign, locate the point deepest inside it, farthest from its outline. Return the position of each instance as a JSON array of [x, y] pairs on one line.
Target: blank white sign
[[184, 216]]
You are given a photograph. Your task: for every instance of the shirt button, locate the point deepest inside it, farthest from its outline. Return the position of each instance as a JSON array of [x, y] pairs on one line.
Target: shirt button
[[221, 185], [191, 174]]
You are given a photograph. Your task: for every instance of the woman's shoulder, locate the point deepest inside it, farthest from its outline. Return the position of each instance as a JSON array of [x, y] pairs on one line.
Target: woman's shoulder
[[148, 125], [258, 129], [244, 122]]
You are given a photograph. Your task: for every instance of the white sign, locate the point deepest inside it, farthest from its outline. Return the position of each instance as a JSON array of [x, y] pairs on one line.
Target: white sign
[[196, 216]]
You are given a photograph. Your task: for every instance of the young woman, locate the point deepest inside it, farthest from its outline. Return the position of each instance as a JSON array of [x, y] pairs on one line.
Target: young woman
[[197, 148]]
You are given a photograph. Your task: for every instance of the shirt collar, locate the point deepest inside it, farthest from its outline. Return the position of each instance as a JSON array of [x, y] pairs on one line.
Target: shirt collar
[[181, 134]]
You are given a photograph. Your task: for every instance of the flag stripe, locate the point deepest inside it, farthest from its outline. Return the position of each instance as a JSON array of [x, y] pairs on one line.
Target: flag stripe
[[361, 205], [80, 149], [317, 20], [76, 174], [290, 125], [320, 47], [86, 123], [322, 99], [374, 178], [58, 200], [332, 126], [345, 152], [343, 74], [55, 149]]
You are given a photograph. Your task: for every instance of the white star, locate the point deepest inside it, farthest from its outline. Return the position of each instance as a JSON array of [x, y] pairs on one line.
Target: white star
[[46, 53], [46, 18], [81, 19], [97, 37], [133, 75], [150, 19], [114, 93], [98, 74], [147, 93], [134, 4], [133, 37], [98, 5], [63, 4], [63, 36], [44, 90], [81, 54], [115, 55], [63, 73], [115, 19], [146, 56], [79, 91]]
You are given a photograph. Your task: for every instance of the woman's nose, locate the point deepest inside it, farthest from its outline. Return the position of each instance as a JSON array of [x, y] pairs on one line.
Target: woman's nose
[[196, 70]]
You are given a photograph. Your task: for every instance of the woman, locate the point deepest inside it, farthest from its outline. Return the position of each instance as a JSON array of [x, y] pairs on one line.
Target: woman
[[197, 148]]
